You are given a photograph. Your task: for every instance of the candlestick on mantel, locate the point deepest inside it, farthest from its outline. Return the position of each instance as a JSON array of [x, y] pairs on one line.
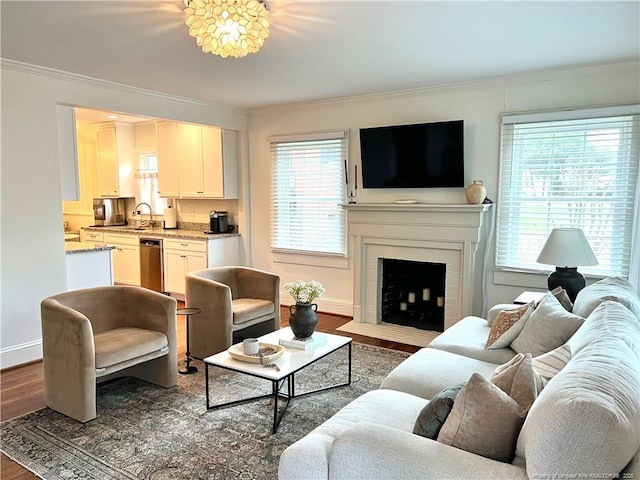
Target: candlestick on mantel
[[346, 172], [356, 175]]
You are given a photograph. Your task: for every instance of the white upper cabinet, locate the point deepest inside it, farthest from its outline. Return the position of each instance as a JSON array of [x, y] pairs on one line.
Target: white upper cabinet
[[168, 180], [68, 152], [208, 167], [115, 166]]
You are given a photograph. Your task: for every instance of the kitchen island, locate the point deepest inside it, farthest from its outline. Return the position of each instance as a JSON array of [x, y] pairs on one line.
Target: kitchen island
[[88, 265]]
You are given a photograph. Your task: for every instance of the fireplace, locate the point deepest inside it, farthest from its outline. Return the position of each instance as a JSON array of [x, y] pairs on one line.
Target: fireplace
[[412, 293], [449, 238]]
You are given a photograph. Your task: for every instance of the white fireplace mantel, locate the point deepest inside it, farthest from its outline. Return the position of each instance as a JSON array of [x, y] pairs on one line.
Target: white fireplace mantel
[[453, 234]]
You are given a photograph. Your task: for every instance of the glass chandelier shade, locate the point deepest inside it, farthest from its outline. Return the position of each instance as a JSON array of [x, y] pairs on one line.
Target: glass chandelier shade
[[229, 28]]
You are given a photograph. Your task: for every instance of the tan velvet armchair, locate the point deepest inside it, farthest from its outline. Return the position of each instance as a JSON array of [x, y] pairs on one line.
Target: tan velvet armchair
[[96, 334], [240, 300]]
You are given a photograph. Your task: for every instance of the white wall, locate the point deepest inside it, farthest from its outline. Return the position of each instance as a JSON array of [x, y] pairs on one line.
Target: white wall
[[480, 105], [32, 243]]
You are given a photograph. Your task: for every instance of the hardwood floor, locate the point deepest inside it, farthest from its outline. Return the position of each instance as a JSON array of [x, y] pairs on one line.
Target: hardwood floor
[[22, 388]]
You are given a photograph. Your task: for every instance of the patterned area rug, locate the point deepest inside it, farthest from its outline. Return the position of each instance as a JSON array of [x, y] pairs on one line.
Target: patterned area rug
[[147, 432]]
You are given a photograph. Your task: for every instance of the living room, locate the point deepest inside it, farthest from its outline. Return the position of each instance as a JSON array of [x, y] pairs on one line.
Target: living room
[[33, 265]]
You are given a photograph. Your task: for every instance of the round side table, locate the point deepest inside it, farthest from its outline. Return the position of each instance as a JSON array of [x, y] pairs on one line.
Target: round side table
[[187, 312]]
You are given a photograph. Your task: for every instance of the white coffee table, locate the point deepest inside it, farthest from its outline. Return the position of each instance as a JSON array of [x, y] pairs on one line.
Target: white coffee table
[[291, 361]]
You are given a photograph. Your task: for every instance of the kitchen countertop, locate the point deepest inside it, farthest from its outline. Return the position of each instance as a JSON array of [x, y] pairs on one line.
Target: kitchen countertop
[[79, 247], [161, 232]]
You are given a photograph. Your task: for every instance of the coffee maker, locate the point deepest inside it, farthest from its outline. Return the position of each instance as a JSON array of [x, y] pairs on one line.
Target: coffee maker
[[219, 221]]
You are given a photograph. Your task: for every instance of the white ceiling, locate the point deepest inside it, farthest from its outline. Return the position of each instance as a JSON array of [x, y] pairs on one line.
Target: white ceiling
[[320, 49]]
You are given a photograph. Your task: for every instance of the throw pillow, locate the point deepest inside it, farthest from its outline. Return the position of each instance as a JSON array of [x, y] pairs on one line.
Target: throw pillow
[[507, 326], [484, 420], [550, 363], [563, 297], [548, 327], [434, 413], [519, 380]]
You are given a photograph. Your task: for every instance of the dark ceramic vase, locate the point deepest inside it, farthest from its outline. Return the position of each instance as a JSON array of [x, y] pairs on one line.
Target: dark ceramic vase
[[303, 319]]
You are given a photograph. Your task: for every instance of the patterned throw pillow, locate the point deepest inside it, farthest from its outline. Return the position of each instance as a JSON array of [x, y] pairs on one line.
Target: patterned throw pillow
[[507, 326], [550, 363]]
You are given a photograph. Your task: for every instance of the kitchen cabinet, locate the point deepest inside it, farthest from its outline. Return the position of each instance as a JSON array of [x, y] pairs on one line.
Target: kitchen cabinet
[[180, 258], [208, 162], [115, 165], [68, 152], [92, 237], [185, 256], [126, 258], [167, 144]]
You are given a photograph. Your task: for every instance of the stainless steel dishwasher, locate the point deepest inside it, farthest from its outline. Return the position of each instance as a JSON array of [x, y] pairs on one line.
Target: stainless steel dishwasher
[[151, 275]]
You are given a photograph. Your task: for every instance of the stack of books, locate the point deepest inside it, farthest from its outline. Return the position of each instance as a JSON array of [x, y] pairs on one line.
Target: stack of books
[[308, 343]]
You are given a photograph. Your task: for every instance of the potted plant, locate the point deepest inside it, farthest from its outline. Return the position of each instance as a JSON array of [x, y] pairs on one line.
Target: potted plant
[[303, 318]]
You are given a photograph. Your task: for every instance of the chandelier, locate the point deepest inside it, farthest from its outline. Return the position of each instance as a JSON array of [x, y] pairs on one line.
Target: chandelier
[[228, 27]]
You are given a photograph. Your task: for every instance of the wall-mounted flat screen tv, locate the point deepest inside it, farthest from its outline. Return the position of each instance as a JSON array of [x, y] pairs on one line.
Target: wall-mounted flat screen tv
[[426, 155]]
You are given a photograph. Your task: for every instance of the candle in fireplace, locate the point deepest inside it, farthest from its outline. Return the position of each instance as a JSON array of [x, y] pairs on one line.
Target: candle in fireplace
[[426, 294], [412, 297]]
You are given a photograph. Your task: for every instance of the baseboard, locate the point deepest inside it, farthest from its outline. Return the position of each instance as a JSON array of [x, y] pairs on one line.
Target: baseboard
[[18, 354]]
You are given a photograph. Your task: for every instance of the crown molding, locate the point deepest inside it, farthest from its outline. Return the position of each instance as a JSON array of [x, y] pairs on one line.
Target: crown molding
[[119, 87], [492, 82]]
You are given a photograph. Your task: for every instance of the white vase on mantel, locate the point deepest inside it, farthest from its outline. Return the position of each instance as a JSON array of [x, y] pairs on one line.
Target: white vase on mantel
[[475, 193]]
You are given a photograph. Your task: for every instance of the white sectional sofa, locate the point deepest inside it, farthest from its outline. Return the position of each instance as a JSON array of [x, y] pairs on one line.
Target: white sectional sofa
[[584, 423]]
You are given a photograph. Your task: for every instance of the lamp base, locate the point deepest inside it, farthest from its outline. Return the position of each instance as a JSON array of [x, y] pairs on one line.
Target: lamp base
[[568, 278]]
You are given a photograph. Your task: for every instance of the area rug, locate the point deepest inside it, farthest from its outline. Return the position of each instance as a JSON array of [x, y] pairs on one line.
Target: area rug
[[143, 431]]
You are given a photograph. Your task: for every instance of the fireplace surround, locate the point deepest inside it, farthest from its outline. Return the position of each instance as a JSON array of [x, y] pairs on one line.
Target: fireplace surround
[[452, 235]]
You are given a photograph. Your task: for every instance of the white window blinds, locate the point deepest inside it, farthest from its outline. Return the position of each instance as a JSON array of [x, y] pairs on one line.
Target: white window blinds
[[568, 169], [308, 188]]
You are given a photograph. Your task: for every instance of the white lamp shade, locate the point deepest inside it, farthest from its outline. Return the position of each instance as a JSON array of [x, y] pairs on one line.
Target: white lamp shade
[[567, 247]]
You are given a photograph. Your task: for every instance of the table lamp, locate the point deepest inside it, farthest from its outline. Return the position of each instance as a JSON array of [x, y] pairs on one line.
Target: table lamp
[[570, 248]]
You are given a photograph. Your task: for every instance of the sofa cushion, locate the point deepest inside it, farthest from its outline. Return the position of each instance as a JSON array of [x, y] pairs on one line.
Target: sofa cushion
[[616, 289], [507, 326], [550, 363], [123, 344], [428, 371], [484, 420], [246, 309], [435, 413], [587, 419], [308, 458], [605, 320], [468, 337], [548, 327]]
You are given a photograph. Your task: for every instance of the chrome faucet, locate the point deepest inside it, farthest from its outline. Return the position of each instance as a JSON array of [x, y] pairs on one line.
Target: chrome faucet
[[151, 221]]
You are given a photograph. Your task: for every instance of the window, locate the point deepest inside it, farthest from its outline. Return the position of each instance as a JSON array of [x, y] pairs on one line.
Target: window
[[308, 188], [568, 169], [147, 183]]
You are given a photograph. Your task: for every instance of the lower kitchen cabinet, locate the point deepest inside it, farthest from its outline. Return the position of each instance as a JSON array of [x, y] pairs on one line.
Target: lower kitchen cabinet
[[185, 256], [126, 258]]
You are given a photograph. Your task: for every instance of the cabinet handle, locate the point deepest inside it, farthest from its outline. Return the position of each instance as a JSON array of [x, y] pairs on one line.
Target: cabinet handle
[[184, 244], [183, 256]]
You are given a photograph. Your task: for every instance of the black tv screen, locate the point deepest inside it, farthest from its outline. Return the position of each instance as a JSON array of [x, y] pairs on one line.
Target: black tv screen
[[426, 155]]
